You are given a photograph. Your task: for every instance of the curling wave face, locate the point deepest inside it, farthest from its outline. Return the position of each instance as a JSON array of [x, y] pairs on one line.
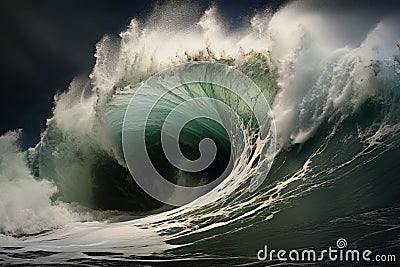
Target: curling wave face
[[335, 103]]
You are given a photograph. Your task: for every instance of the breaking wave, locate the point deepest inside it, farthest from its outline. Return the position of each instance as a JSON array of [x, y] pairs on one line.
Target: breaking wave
[[334, 101]]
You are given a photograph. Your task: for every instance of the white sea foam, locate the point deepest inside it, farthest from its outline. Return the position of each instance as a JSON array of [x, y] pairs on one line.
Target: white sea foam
[[25, 203]]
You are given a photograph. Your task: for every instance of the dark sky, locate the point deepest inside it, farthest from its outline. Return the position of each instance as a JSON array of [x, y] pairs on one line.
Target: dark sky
[[44, 44]]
